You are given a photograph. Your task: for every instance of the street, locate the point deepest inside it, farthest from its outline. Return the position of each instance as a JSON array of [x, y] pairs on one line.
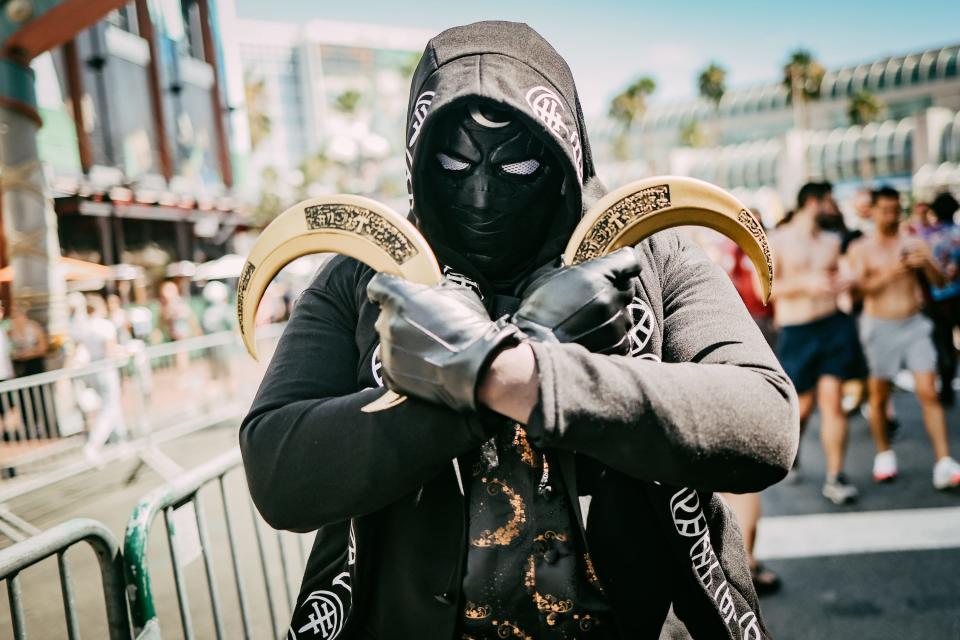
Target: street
[[909, 590], [905, 586]]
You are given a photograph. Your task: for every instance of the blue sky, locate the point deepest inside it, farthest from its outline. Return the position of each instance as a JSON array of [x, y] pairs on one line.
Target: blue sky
[[609, 43]]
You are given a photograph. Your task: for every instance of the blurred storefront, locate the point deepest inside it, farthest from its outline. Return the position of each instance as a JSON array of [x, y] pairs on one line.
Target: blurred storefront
[[136, 138], [323, 95]]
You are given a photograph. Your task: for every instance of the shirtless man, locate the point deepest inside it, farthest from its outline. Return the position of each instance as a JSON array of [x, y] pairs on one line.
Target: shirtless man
[[818, 345], [895, 334]]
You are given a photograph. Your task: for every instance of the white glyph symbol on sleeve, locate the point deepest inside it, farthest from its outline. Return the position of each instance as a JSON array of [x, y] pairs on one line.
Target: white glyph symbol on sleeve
[[642, 328], [352, 544], [376, 366], [687, 515]]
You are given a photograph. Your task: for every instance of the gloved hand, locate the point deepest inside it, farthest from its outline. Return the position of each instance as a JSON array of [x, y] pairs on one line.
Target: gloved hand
[[585, 303], [435, 342]]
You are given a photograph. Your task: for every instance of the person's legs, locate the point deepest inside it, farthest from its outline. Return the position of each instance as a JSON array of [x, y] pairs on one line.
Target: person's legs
[[805, 401], [833, 423], [879, 397], [933, 416], [746, 507], [885, 461], [833, 437], [943, 323]]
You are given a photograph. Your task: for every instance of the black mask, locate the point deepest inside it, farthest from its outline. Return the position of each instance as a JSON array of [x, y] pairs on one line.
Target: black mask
[[491, 189]]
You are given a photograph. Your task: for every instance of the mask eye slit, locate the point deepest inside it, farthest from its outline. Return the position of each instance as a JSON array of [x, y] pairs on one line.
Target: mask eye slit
[[523, 168], [451, 164]]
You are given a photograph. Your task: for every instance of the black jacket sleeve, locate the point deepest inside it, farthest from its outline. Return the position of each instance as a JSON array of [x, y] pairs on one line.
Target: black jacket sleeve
[[311, 456], [717, 414]]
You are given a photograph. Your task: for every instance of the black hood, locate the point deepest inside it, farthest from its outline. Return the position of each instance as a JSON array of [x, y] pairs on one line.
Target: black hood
[[512, 67]]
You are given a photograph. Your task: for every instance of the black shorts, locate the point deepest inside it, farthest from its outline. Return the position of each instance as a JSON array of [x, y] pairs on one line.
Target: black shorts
[[826, 347]]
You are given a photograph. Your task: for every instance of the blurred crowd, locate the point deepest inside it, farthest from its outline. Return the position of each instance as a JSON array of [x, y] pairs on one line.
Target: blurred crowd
[[117, 327], [861, 301], [115, 324]]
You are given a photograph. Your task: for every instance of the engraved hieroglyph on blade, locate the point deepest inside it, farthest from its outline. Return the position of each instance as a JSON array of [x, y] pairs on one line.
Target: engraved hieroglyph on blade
[[619, 216], [748, 221], [363, 222], [245, 277]]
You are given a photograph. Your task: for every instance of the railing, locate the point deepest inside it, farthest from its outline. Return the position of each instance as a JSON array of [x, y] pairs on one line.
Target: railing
[[186, 527], [250, 593], [57, 541], [61, 423]]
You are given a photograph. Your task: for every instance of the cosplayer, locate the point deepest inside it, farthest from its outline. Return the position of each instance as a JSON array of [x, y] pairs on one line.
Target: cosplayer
[[637, 379]]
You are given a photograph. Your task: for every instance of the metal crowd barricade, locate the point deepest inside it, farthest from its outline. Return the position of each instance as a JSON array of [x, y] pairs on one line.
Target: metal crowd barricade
[[61, 423], [57, 541], [187, 530]]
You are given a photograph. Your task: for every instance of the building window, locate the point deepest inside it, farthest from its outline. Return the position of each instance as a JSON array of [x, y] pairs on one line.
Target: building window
[[192, 45], [946, 139], [948, 63], [124, 18], [898, 76], [915, 74]]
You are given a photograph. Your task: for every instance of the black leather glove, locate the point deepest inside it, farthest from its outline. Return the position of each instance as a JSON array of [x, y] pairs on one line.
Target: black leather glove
[[585, 303], [435, 342]]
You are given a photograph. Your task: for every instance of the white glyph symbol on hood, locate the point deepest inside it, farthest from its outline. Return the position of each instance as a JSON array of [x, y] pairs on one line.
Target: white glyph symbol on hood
[[417, 118], [419, 114], [548, 107]]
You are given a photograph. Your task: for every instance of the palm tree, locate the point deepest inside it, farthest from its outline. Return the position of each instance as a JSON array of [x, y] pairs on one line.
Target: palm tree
[[864, 107], [712, 83], [255, 96], [691, 135], [802, 76], [348, 101], [627, 107]]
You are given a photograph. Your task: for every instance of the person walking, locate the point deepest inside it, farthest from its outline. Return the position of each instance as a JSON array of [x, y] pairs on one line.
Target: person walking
[[888, 266], [944, 306], [818, 345], [29, 353]]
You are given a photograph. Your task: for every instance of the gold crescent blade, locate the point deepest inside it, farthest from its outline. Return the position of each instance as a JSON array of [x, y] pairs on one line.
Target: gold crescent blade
[[350, 225], [637, 210]]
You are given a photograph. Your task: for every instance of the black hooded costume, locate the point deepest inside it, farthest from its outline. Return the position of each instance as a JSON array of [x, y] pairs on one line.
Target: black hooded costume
[[700, 405]]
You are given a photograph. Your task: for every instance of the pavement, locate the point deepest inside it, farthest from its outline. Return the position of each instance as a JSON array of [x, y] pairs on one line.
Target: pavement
[[885, 568], [106, 495]]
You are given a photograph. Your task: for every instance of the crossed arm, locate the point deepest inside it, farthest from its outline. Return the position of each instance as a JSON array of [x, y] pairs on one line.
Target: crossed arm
[[718, 414]]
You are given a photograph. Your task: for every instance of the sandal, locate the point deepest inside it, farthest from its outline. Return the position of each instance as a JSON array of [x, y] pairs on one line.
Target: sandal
[[765, 581]]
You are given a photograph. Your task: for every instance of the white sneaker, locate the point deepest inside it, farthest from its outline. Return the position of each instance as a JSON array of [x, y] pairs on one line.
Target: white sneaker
[[946, 473], [885, 466], [838, 491]]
